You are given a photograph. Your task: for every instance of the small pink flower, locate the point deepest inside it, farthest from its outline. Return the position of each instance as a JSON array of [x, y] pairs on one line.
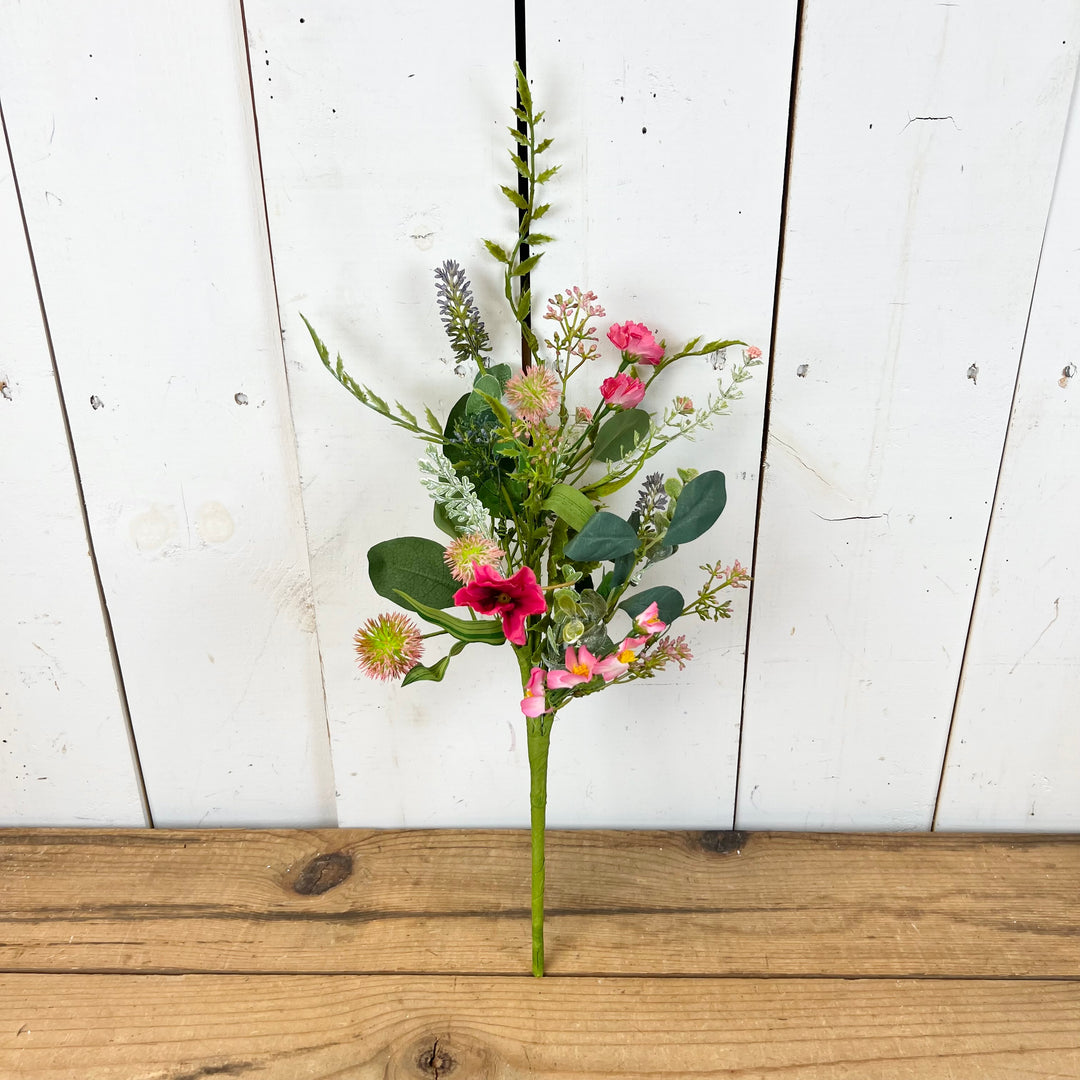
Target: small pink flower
[[532, 704], [648, 621], [388, 645], [622, 390], [752, 353], [583, 415], [684, 406], [580, 665], [635, 340], [514, 599], [533, 394], [612, 666]]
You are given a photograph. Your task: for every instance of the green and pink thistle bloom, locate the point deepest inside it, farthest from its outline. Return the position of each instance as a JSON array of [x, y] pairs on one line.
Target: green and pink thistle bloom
[[533, 394], [513, 599], [388, 646], [465, 553]]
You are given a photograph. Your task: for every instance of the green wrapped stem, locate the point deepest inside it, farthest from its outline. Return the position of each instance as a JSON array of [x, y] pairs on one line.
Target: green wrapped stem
[[539, 740]]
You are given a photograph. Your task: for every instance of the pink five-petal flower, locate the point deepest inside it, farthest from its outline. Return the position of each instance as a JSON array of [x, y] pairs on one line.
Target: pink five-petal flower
[[514, 599], [635, 340], [613, 665], [622, 390], [532, 704], [648, 621], [580, 665]]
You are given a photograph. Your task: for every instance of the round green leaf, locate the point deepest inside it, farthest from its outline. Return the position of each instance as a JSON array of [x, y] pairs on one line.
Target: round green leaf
[[701, 502], [415, 566], [605, 536]]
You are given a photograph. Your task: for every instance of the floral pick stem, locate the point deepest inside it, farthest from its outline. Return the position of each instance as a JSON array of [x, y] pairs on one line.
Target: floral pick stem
[[539, 741]]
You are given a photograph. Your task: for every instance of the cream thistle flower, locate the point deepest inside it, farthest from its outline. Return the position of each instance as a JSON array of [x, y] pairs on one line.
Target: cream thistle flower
[[533, 394], [475, 548], [388, 645]]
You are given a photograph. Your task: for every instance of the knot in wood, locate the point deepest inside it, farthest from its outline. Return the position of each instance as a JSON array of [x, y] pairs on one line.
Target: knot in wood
[[725, 843], [323, 873], [436, 1062]]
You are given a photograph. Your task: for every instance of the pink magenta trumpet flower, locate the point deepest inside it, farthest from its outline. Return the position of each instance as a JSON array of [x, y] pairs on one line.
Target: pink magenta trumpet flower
[[514, 598]]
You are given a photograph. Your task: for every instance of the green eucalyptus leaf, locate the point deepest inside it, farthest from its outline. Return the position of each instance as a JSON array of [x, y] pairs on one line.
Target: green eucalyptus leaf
[[435, 673], [619, 434], [503, 372], [621, 569], [669, 603], [412, 565], [485, 631], [604, 537], [570, 505], [700, 503]]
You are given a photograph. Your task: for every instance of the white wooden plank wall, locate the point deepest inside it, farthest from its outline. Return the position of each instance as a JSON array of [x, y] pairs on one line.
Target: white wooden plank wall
[[925, 148], [133, 142], [65, 755], [1014, 752], [233, 489], [668, 208]]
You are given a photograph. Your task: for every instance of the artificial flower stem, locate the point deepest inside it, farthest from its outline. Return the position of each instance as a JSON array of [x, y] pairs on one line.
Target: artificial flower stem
[[539, 740]]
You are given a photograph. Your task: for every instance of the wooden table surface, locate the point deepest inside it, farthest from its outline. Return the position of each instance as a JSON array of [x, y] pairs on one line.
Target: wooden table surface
[[183, 955]]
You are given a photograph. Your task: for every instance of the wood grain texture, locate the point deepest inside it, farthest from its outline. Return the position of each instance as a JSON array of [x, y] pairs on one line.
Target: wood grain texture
[[399, 1028], [133, 139], [65, 753], [1014, 751], [618, 903], [903, 300]]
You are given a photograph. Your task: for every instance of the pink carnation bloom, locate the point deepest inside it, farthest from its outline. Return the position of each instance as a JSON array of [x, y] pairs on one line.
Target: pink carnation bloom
[[752, 353], [580, 665], [648, 621], [637, 341], [532, 704], [622, 390], [583, 415], [611, 667], [514, 599]]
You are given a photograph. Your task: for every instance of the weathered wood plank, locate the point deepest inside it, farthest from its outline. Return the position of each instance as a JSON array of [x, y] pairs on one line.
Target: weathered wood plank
[[183, 1027], [667, 207], [618, 903], [132, 134], [920, 181], [1014, 751], [65, 754]]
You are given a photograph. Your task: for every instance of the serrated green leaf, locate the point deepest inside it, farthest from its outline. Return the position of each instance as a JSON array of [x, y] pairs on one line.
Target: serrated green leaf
[[433, 421], [543, 146], [520, 165], [526, 266], [497, 251], [414, 565], [538, 238], [524, 304], [540, 211], [716, 346], [604, 537], [423, 673], [619, 434], [519, 138], [700, 503], [405, 412], [485, 631], [523, 87], [570, 505], [515, 197], [520, 114], [547, 174], [669, 603]]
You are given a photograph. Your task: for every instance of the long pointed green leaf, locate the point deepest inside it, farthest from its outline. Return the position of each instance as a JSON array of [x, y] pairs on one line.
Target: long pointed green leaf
[[485, 631], [423, 673], [604, 536], [570, 505]]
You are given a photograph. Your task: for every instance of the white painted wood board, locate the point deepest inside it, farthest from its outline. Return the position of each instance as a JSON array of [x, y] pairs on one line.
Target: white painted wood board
[[925, 147], [383, 147], [65, 754], [134, 143], [671, 128], [1014, 750]]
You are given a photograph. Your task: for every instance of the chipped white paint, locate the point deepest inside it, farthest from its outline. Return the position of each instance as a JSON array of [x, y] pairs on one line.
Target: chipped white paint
[[65, 756], [926, 143], [134, 143], [668, 207], [1014, 753]]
